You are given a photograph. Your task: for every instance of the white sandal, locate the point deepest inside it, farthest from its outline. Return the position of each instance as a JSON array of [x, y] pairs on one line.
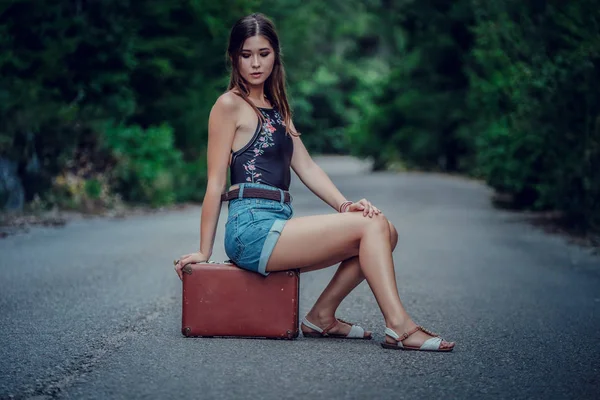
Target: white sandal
[[432, 344], [356, 332]]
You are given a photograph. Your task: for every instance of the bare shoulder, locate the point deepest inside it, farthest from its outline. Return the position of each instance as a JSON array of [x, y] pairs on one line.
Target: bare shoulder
[[226, 111], [228, 102]]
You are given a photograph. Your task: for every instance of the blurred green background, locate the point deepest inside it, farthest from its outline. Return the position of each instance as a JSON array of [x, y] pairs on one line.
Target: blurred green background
[[107, 101]]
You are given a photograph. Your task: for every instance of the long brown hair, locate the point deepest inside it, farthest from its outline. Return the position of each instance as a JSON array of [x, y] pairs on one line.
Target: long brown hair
[[254, 25]]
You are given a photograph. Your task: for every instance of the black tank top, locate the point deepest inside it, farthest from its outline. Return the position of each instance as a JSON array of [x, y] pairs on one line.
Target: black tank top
[[267, 157]]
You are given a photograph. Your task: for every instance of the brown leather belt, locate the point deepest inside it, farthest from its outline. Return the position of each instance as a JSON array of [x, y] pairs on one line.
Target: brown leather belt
[[257, 193]]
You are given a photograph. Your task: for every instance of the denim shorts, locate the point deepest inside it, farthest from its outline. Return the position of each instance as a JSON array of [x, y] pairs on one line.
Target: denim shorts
[[253, 228]]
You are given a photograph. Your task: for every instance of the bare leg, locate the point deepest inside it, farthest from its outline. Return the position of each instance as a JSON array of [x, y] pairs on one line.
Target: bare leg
[[327, 239], [347, 277]]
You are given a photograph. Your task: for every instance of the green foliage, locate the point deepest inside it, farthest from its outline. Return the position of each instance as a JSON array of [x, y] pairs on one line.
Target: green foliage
[[420, 105], [76, 192], [93, 188], [538, 121], [180, 65], [64, 67], [331, 56], [504, 90], [146, 163], [68, 68], [501, 90]]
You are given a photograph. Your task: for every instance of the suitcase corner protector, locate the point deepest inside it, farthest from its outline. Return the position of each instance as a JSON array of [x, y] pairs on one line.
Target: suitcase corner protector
[[292, 334], [186, 331]]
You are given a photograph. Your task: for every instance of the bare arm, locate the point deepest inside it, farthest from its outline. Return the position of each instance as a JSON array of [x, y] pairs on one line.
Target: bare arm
[[222, 125], [314, 177], [320, 184]]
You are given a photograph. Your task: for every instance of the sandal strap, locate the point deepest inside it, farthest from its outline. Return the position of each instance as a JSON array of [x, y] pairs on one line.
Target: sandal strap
[[323, 332], [427, 331], [355, 330], [391, 333], [326, 330], [405, 335], [346, 322], [433, 343], [311, 325]]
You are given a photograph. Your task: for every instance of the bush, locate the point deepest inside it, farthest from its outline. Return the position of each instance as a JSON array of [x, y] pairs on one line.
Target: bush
[[538, 125], [147, 163]]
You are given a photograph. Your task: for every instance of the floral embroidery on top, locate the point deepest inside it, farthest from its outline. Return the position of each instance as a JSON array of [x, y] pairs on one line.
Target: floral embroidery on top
[[264, 141], [278, 118]]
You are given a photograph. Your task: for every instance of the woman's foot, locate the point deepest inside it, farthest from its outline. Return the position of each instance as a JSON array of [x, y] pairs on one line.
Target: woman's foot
[[337, 327], [413, 336]]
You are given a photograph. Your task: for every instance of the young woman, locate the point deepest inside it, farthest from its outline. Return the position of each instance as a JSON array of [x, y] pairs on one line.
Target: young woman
[[251, 133]]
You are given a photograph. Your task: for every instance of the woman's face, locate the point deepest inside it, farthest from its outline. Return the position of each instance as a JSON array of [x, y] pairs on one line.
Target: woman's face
[[256, 60]]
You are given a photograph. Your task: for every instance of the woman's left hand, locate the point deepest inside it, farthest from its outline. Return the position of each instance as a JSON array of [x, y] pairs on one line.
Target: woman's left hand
[[366, 207], [188, 259]]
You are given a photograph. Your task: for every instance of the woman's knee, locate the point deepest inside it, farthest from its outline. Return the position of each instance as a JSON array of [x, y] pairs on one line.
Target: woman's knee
[[378, 223], [393, 235]]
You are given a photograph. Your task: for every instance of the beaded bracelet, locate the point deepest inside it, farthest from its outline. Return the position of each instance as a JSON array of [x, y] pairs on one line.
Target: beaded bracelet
[[344, 206]]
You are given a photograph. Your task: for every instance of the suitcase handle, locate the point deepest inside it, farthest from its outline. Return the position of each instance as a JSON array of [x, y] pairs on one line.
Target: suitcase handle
[[188, 270], [207, 262]]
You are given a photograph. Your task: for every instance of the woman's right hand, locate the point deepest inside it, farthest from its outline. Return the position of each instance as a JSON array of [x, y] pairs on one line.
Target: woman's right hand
[[188, 259], [365, 206]]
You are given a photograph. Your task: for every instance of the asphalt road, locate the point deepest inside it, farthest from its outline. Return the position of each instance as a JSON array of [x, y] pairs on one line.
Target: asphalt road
[[93, 310]]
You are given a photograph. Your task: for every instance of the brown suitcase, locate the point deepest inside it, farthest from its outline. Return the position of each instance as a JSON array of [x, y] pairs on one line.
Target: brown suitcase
[[220, 299]]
